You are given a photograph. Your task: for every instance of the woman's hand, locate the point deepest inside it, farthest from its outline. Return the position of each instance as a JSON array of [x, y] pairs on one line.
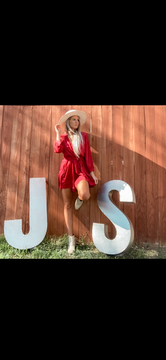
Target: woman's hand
[[58, 131], [94, 177]]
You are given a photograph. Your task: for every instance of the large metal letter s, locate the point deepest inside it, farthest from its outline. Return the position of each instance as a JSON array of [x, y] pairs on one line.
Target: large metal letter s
[[38, 219], [124, 228]]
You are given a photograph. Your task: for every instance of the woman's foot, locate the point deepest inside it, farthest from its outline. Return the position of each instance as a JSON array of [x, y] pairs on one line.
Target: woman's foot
[[71, 247], [78, 204]]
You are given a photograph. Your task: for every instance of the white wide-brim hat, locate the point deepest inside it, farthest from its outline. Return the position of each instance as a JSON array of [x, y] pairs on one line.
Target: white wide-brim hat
[[82, 115]]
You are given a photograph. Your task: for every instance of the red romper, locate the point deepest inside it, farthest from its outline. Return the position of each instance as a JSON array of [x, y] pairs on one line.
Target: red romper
[[74, 169]]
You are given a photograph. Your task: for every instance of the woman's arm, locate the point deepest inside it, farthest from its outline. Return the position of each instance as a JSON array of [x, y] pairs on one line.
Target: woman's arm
[[58, 132], [58, 147]]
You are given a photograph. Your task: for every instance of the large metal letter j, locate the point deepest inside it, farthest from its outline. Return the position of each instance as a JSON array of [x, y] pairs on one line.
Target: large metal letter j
[[38, 219]]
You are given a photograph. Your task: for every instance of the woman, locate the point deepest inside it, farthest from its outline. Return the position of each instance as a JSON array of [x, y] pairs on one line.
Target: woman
[[77, 169]]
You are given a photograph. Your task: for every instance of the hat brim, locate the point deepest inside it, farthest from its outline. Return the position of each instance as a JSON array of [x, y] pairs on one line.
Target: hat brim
[[82, 115]]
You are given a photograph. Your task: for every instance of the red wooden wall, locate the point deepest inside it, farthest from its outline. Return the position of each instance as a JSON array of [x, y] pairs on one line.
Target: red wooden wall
[[127, 143]]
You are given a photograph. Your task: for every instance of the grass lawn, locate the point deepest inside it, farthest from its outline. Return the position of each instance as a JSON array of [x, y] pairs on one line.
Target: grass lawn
[[54, 247]]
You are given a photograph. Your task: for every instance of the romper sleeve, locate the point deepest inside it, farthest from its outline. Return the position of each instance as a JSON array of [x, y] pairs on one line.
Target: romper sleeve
[[58, 146], [88, 155]]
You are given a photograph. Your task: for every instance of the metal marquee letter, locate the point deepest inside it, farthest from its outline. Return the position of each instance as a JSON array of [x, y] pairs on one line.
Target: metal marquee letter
[[124, 228], [38, 219]]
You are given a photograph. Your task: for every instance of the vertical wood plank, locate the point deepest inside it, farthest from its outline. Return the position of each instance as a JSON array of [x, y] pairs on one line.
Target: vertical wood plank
[[1, 118], [106, 144], [140, 173], [5, 159], [11, 202], [95, 142], [106, 158], [151, 176], [40, 142], [54, 202], [1, 122], [86, 126], [1, 170], [41, 122], [22, 210], [117, 151], [117, 141], [35, 143], [45, 119], [129, 157], [160, 116]]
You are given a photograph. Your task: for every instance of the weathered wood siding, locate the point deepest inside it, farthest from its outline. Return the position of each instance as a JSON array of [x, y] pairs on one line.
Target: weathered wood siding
[[127, 143]]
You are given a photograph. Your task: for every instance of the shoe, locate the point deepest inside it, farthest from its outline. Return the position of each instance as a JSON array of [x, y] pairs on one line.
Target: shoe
[[78, 204], [71, 246]]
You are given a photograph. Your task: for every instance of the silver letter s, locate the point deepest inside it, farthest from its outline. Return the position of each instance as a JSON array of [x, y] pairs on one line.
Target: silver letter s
[[124, 228]]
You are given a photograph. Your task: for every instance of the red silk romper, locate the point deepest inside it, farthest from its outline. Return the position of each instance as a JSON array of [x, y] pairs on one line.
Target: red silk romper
[[74, 169]]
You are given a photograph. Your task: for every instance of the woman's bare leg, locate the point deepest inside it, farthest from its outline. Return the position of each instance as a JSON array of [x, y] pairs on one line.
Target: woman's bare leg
[[68, 209], [83, 190]]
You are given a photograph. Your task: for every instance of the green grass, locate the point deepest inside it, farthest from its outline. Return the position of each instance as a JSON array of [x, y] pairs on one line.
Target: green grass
[[54, 247], [51, 248]]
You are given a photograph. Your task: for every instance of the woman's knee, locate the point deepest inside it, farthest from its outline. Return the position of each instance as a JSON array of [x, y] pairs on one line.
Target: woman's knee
[[68, 205], [84, 196], [83, 190], [67, 198]]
